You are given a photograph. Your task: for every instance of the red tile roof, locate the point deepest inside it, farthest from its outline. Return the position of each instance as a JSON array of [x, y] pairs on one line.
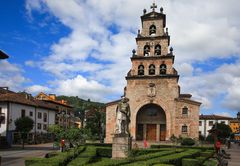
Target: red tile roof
[[214, 117], [23, 98]]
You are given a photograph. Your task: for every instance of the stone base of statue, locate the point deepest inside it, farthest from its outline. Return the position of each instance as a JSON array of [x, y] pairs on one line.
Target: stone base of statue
[[121, 145]]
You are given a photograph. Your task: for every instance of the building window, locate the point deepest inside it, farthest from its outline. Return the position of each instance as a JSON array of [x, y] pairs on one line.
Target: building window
[[152, 69], [140, 70], [146, 50], [223, 122], [152, 30], [39, 115], [185, 110], [44, 127], [157, 50], [23, 113], [200, 123], [39, 126], [30, 113], [210, 123], [45, 117], [163, 69], [184, 129]]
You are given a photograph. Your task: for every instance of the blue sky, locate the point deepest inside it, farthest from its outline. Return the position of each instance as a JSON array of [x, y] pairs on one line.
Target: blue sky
[[82, 48]]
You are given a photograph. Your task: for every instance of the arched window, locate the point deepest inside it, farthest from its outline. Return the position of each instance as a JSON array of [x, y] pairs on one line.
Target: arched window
[[152, 30], [157, 50], [163, 69], [140, 70], [184, 128], [185, 110], [146, 50], [152, 69]]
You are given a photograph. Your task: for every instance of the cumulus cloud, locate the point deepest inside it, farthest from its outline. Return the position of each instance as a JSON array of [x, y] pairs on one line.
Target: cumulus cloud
[[11, 75], [96, 53], [34, 89], [80, 86]]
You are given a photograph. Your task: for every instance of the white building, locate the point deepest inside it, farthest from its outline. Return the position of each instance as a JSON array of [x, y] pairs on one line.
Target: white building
[[15, 105], [207, 121]]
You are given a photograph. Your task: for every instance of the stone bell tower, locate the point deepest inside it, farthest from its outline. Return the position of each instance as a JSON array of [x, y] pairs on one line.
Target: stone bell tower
[[158, 110]]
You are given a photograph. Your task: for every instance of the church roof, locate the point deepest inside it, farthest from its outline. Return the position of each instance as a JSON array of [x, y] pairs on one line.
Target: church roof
[[187, 100], [113, 102]]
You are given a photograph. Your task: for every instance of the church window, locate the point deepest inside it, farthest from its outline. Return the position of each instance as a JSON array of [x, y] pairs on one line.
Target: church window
[[152, 69], [163, 69], [157, 50], [146, 50], [140, 70], [152, 30], [184, 129], [185, 110]]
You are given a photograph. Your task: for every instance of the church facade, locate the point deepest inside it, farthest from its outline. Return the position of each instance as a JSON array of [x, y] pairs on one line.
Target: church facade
[[158, 109]]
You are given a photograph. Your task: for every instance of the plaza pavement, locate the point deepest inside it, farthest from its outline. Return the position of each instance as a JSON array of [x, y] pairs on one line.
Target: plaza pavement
[[15, 156], [235, 155]]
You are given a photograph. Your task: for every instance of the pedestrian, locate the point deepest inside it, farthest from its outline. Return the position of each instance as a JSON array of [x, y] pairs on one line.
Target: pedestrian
[[145, 143], [218, 146]]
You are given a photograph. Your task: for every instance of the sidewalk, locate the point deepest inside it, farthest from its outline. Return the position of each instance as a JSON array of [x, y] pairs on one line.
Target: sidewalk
[[235, 155], [15, 156]]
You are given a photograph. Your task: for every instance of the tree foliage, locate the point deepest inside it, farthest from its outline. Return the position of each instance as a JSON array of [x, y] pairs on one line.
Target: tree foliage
[[24, 125]]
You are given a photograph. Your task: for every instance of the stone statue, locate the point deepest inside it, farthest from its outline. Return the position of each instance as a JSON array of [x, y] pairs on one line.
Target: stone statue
[[123, 117]]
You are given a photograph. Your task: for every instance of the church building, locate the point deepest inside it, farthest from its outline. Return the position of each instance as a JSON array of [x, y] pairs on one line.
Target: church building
[[158, 109]]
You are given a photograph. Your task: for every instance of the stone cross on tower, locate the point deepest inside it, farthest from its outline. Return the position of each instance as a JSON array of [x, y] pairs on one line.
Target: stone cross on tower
[[154, 6]]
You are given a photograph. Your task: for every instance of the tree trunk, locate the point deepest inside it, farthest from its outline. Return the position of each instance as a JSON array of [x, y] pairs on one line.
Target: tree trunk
[[23, 136]]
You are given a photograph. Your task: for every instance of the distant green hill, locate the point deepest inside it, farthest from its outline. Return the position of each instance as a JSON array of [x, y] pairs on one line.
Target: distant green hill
[[77, 102]]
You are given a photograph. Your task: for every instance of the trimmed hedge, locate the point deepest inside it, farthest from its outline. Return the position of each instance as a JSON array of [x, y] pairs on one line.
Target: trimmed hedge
[[204, 148], [190, 162], [84, 158], [140, 158], [104, 152], [62, 159], [99, 144], [174, 159], [138, 152]]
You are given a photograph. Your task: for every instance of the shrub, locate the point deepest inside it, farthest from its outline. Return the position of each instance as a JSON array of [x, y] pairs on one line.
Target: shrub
[[61, 159], [84, 158], [100, 144], [188, 141], [104, 152], [190, 162]]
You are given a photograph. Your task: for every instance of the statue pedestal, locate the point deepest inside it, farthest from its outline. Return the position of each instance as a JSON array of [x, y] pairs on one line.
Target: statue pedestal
[[122, 144]]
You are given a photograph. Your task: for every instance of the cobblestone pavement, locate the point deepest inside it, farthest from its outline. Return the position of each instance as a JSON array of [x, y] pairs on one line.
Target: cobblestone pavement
[[15, 156]]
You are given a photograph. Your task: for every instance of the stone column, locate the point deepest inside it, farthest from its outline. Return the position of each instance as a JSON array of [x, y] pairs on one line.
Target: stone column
[[144, 131], [158, 132]]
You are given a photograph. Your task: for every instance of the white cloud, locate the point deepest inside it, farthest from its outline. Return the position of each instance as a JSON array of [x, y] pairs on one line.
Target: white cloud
[[199, 31], [34, 89], [79, 86], [11, 75], [225, 114]]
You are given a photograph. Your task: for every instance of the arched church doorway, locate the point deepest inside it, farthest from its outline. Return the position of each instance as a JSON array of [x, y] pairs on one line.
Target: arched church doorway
[[151, 123]]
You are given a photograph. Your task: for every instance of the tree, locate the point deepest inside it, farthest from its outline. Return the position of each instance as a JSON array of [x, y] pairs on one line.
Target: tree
[[24, 125], [72, 135], [223, 131]]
